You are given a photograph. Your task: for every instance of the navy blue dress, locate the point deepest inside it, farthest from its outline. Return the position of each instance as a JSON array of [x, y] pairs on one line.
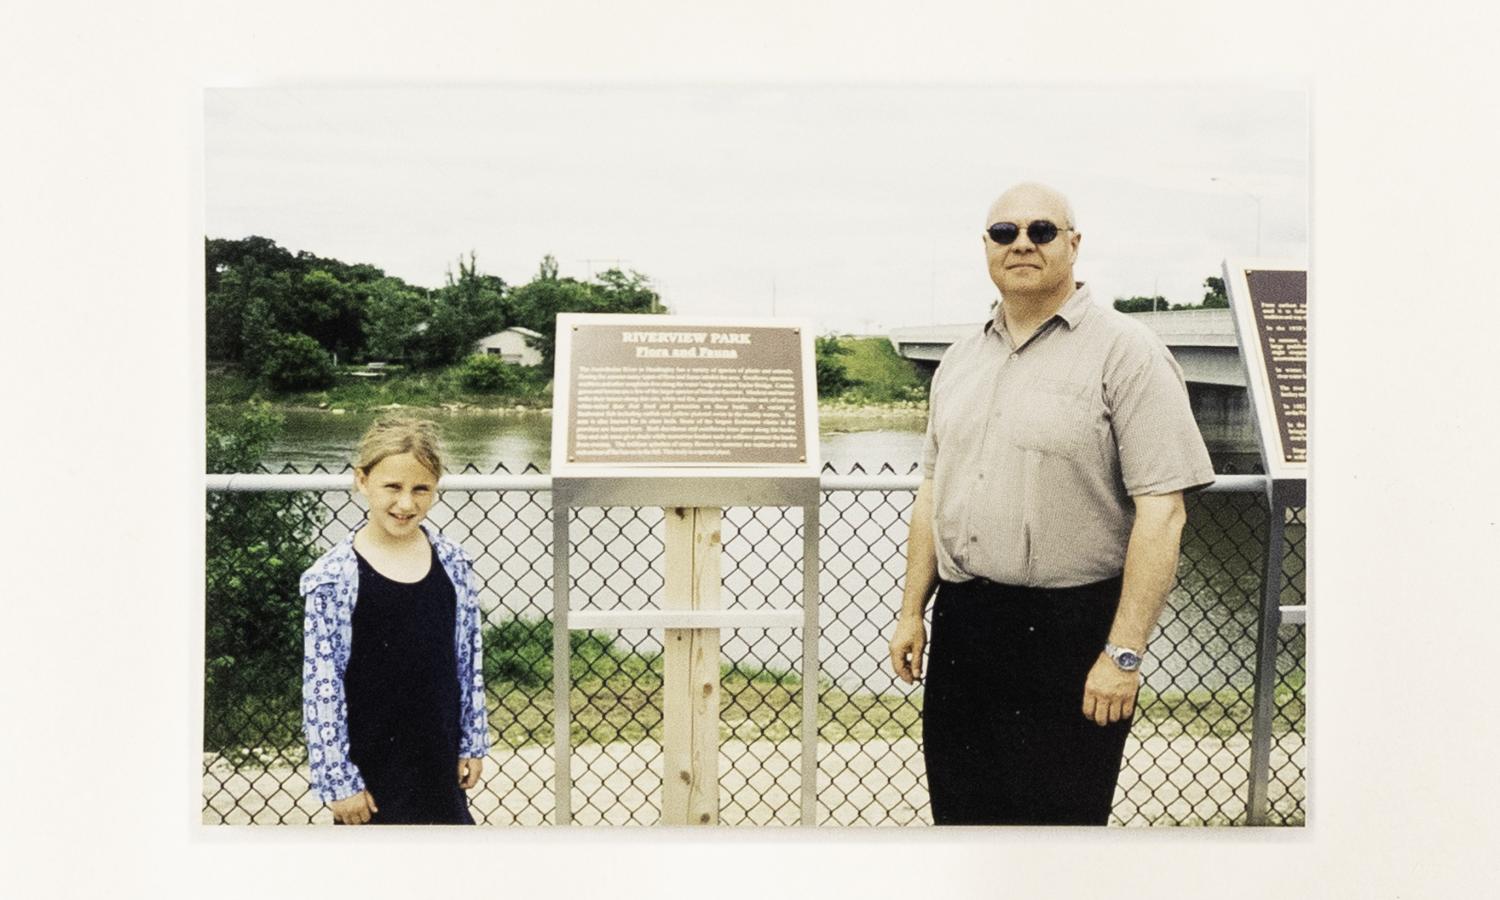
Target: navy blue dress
[[402, 690]]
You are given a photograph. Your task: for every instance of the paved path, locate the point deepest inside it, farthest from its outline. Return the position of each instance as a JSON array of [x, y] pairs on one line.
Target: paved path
[[1183, 780]]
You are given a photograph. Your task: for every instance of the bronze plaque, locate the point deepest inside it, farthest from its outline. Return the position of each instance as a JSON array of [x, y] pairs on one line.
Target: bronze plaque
[[1278, 300], [659, 393]]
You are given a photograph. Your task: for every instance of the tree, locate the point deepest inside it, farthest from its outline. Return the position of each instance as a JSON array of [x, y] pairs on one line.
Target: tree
[[257, 545], [833, 378], [626, 292], [535, 305], [296, 362], [1141, 304], [257, 334], [1216, 297], [246, 292], [466, 309], [547, 271], [392, 312], [327, 310]]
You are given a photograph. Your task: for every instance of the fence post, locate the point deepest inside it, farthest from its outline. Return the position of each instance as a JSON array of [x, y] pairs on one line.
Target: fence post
[[1267, 643], [811, 601], [562, 680], [690, 669]]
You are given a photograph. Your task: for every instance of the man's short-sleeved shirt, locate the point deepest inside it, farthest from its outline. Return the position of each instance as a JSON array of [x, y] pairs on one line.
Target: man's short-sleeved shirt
[[1036, 451]]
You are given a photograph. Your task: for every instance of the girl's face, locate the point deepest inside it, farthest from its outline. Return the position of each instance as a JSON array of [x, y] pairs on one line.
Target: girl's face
[[400, 491]]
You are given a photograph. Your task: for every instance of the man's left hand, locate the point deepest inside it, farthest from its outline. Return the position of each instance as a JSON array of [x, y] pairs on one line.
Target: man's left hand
[[1109, 692]]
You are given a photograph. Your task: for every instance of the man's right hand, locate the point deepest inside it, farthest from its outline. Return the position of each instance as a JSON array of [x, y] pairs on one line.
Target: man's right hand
[[355, 809], [906, 648]]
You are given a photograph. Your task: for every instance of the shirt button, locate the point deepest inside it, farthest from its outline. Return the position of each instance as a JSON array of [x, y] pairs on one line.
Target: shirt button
[[974, 539]]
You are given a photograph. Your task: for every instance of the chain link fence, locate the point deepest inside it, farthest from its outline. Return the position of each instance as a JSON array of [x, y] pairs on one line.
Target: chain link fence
[[1187, 762]]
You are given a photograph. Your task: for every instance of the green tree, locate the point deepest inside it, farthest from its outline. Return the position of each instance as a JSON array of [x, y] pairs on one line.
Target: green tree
[[296, 362], [393, 310], [1141, 304], [257, 334], [833, 377], [257, 546], [241, 309], [1216, 297], [625, 292], [466, 309], [325, 309], [537, 304]]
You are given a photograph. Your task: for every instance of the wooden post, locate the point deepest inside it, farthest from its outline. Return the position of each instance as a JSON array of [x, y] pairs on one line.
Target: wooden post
[[690, 671]]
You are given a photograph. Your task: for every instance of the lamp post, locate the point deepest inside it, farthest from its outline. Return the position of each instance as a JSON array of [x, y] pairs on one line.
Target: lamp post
[[1252, 196]]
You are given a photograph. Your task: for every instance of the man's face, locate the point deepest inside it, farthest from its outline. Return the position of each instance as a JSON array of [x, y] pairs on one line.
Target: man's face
[[1025, 269]]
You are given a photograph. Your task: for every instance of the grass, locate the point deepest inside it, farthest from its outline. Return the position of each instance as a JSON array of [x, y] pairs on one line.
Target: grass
[[881, 375], [617, 697]]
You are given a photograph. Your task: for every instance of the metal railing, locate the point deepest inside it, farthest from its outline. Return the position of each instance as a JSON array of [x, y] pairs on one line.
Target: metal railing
[[1188, 760]]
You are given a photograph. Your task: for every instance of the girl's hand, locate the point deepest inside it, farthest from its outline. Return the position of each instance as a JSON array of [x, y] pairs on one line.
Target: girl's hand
[[355, 809], [468, 772]]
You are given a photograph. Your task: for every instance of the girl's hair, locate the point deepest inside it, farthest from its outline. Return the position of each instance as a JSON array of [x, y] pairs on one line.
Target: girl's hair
[[394, 435]]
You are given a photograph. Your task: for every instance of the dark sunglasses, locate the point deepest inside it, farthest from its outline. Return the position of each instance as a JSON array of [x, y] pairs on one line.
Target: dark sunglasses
[[1040, 232]]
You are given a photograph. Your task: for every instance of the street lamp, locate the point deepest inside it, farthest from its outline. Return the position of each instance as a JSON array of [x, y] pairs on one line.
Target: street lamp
[[1252, 196]]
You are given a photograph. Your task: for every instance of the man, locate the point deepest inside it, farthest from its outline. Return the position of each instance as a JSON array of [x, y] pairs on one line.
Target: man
[[1059, 444]]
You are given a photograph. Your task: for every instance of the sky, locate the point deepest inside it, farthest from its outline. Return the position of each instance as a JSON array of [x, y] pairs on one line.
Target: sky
[[860, 207]]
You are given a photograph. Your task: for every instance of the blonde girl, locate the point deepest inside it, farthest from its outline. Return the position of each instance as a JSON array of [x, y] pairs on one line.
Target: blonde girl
[[392, 680]]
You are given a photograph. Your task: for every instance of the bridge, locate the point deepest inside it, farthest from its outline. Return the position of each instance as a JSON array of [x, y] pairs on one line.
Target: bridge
[[1201, 340]]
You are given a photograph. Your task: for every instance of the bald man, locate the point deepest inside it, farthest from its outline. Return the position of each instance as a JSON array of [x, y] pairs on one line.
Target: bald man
[[1059, 444]]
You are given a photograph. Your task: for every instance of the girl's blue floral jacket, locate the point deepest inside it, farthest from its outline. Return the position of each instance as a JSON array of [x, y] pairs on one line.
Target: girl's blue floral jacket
[[330, 588]]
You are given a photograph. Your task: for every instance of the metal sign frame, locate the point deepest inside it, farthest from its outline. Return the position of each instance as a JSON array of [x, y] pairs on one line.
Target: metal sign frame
[[576, 486], [1286, 487]]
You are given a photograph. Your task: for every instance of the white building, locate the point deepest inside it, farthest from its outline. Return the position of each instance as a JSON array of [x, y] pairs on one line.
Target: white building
[[511, 346]]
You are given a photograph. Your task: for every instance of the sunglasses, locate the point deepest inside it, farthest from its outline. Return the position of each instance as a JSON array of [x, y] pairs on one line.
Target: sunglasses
[[1040, 232]]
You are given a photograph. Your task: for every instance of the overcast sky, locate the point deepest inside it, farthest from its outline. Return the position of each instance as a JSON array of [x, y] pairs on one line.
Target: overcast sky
[[860, 207]]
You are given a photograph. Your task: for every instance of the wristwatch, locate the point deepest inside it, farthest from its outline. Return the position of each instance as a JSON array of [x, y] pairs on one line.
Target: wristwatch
[[1127, 659]]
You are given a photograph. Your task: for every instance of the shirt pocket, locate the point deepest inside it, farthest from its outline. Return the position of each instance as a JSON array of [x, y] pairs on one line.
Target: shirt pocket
[[1054, 416]]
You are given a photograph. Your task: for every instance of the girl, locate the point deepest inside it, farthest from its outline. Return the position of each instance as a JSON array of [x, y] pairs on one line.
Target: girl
[[392, 681]]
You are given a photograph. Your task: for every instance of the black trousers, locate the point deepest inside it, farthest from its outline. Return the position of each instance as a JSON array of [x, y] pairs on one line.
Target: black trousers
[[1004, 735]]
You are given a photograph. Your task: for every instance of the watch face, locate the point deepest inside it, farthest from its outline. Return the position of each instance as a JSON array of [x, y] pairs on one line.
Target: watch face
[[1127, 660]]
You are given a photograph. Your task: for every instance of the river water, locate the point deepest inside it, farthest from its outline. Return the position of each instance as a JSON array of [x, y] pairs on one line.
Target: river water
[[1206, 640]]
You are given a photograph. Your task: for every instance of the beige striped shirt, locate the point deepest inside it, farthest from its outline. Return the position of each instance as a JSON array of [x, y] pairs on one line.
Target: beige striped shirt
[[1035, 451]]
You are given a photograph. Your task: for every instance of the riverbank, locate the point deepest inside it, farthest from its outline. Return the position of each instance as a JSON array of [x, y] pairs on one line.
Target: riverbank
[[880, 384], [428, 394]]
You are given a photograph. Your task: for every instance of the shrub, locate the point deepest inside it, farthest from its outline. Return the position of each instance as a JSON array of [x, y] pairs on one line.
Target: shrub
[[296, 362], [519, 651], [488, 374], [257, 545]]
